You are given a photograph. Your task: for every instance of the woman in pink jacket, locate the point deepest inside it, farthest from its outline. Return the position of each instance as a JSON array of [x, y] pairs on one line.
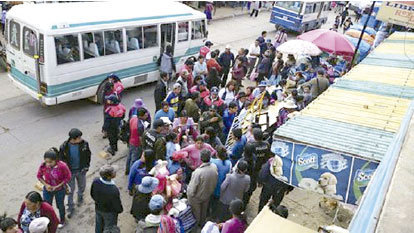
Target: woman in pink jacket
[[193, 159], [54, 175]]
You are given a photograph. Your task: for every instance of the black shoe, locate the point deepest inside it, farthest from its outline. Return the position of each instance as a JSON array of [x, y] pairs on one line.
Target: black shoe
[[70, 214], [110, 151]]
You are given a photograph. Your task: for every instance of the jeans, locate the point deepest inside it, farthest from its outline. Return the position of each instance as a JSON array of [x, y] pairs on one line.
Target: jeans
[[60, 201], [104, 220], [134, 154], [79, 177], [226, 71]]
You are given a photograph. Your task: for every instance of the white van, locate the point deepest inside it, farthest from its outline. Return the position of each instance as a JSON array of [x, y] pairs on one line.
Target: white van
[[61, 52]]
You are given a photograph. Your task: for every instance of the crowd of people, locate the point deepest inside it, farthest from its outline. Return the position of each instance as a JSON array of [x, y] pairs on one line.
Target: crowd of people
[[180, 174]]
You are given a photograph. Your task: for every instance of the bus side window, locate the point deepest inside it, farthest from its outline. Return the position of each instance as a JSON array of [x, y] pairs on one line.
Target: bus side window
[[150, 36], [113, 42], [182, 31], [134, 38], [98, 40], [199, 30], [29, 41], [41, 48], [90, 49], [15, 35], [308, 9], [67, 49]]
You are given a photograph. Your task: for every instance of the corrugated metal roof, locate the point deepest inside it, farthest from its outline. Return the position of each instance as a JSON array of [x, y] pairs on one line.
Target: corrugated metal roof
[[343, 137], [354, 107], [374, 88], [381, 74], [361, 112], [401, 36], [390, 63], [395, 47]]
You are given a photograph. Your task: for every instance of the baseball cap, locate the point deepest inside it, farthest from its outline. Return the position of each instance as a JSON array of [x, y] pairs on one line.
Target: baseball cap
[[158, 123], [39, 225], [214, 90], [262, 84], [156, 202], [74, 133], [228, 46], [208, 43]]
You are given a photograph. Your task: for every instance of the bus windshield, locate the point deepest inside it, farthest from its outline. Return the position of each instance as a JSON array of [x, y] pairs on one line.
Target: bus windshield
[[292, 6]]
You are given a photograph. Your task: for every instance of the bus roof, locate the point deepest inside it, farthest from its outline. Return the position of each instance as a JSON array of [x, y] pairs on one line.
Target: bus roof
[[53, 17]]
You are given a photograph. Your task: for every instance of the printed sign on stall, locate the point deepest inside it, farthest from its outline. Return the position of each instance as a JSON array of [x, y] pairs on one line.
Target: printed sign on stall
[[400, 13], [340, 176]]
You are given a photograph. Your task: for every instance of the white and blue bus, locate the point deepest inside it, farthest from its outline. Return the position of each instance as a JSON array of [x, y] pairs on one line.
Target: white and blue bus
[[299, 16], [61, 52]]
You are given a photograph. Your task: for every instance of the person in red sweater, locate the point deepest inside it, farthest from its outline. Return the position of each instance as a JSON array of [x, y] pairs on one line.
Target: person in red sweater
[[136, 128], [34, 207], [54, 175], [213, 63]]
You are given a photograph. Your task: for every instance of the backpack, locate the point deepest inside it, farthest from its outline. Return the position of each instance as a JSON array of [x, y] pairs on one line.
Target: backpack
[[149, 140], [125, 132]]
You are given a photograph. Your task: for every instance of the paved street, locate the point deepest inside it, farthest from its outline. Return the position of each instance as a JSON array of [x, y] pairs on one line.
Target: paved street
[[27, 129]]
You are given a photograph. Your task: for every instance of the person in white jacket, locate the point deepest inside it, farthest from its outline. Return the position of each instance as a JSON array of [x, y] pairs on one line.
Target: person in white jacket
[[228, 94]]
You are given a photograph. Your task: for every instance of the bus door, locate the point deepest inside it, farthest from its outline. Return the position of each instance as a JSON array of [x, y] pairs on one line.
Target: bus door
[[320, 9], [30, 48], [168, 35]]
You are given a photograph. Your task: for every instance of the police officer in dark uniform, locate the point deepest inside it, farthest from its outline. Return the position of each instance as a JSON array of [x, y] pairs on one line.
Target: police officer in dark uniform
[[154, 139], [261, 153]]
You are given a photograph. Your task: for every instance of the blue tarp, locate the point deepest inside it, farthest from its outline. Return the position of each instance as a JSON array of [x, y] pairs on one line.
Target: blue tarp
[[364, 47], [368, 30]]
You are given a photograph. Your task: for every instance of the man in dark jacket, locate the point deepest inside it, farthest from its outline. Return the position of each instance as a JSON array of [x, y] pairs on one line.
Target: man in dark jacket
[[76, 154], [262, 151], [154, 139], [262, 42], [272, 186], [226, 61], [213, 119], [107, 199], [160, 92]]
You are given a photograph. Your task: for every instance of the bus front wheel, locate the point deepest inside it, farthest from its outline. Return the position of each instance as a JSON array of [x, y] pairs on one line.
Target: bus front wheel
[[100, 94]]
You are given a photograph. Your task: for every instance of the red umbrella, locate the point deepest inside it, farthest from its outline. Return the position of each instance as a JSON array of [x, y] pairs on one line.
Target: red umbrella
[[329, 41]]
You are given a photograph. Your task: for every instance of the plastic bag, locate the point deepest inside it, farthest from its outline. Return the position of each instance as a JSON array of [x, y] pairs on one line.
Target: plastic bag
[[210, 227]]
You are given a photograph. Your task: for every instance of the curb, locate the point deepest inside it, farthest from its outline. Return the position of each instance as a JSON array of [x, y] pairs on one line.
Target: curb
[[234, 15]]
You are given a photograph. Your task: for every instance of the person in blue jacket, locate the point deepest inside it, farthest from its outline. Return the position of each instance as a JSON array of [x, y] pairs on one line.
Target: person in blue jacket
[[224, 166], [140, 169], [238, 148], [228, 117]]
